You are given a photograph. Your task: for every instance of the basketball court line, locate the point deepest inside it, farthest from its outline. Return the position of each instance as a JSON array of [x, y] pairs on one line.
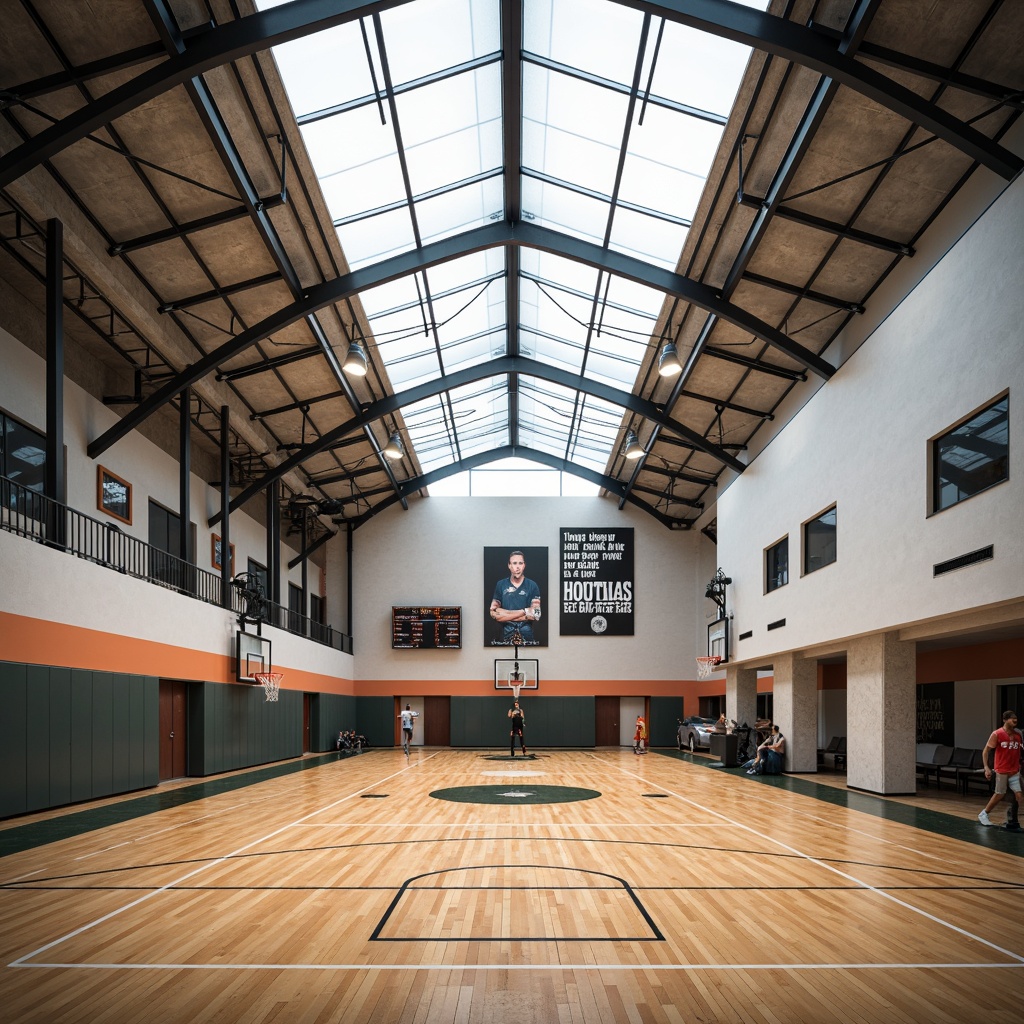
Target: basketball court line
[[877, 839], [1019, 957], [23, 961]]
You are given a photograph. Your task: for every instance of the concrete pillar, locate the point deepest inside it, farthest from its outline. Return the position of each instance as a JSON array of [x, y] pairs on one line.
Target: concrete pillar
[[795, 710], [741, 695], [881, 722]]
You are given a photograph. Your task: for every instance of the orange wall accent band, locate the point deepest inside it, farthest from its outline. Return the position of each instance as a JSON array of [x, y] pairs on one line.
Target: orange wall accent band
[[39, 642]]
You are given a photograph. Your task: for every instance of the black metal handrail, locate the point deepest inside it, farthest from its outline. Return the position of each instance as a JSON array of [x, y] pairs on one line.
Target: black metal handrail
[[27, 513]]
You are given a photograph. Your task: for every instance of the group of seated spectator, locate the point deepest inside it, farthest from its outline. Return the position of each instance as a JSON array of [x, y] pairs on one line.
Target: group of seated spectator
[[768, 759], [351, 741]]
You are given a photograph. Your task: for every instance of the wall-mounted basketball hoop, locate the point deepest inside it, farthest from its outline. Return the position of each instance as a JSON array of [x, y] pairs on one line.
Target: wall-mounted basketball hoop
[[271, 683], [707, 665]]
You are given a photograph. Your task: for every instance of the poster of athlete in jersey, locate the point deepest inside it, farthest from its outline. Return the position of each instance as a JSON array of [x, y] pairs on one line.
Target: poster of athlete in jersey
[[515, 583]]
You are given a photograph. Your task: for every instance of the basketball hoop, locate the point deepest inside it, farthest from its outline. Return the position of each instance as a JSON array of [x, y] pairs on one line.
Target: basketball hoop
[[705, 666], [271, 683]]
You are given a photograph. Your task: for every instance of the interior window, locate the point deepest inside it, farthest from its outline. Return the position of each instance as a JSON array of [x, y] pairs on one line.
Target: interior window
[[776, 565], [820, 541], [972, 456]]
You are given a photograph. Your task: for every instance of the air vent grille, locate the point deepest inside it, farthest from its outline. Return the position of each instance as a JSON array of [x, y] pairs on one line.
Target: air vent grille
[[777, 624], [971, 558], [746, 636]]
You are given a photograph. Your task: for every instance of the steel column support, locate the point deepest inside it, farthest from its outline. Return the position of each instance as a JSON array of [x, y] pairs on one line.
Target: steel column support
[[53, 480], [184, 474], [225, 506], [273, 542]]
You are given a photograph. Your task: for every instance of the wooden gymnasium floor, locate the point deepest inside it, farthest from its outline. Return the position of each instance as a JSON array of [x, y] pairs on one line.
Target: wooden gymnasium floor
[[342, 890]]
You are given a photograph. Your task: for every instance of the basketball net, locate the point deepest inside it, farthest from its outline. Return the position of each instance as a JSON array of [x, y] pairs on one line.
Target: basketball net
[[271, 683], [705, 666]]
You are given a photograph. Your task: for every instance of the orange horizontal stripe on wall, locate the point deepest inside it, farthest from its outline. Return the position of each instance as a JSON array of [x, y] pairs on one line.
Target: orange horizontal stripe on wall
[[40, 642]]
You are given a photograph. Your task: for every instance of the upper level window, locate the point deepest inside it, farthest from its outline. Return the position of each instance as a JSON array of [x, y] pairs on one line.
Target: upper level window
[[776, 565], [972, 456], [820, 541]]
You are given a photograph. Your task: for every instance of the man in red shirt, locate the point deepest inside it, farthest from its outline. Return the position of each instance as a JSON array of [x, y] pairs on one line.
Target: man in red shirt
[[1008, 744]]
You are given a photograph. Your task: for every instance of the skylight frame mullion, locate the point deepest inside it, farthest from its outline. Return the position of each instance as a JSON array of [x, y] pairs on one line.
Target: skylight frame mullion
[[606, 83]]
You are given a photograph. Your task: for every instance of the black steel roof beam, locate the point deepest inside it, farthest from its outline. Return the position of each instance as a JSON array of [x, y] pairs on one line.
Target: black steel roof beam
[[218, 293], [310, 548], [202, 99], [271, 363], [830, 227], [754, 364], [190, 227], [264, 29], [834, 60], [803, 293], [391, 404], [668, 497], [477, 240], [678, 474], [82, 73], [609, 484], [721, 404], [1004, 94], [302, 403], [345, 477]]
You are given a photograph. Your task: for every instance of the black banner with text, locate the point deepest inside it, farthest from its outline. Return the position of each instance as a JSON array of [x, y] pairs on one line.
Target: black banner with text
[[596, 582]]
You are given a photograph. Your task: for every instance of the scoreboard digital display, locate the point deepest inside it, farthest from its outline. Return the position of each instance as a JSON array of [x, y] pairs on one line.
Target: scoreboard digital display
[[421, 628]]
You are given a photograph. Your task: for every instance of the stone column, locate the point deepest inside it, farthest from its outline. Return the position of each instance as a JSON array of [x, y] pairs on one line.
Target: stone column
[[795, 710], [881, 719], [741, 695]]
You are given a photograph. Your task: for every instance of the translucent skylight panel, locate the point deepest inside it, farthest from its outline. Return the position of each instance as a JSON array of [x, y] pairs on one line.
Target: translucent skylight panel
[[699, 69], [593, 35], [374, 238], [460, 210], [430, 35], [650, 239], [324, 69], [568, 212], [476, 266], [562, 137], [356, 160], [451, 130], [667, 161]]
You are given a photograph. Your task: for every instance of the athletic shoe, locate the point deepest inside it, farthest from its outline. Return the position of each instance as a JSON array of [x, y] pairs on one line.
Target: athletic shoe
[[750, 771], [984, 818]]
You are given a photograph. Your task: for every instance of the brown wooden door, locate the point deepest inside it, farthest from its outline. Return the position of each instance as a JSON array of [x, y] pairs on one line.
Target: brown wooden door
[[437, 730], [307, 701], [606, 728], [173, 729]]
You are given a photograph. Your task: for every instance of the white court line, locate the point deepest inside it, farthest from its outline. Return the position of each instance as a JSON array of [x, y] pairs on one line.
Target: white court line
[[451, 968], [842, 874], [877, 839], [191, 874], [20, 878], [363, 967], [468, 826]]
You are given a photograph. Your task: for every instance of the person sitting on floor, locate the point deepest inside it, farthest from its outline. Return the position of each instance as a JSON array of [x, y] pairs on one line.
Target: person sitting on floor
[[769, 754]]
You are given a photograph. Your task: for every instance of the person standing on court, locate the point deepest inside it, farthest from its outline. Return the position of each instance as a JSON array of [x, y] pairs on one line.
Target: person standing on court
[[518, 719], [407, 717], [640, 736], [1008, 745], [515, 604]]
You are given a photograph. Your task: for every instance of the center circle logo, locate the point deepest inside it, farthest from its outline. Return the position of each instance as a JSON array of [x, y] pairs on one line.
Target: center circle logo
[[522, 792], [598, 623]]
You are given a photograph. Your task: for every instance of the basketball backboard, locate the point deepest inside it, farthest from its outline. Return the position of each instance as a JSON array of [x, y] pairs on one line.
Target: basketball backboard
[[718, 639], [512, 672], [252, 655]]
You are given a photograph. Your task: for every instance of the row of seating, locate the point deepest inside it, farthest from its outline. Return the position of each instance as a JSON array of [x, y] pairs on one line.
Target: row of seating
[[961, 764]]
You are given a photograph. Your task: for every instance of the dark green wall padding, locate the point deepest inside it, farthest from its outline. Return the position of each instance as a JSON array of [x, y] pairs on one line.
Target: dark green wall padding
[[550, 721], [71, 734], [664, 724]]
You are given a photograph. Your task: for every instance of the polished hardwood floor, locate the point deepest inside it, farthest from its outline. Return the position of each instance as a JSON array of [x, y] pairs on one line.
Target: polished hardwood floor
[[574, 886]]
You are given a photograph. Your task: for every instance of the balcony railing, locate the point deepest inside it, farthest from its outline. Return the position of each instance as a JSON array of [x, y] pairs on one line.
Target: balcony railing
[[27, 513]]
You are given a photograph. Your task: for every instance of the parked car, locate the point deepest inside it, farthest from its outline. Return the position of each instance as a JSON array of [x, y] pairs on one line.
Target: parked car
[[694, 732]]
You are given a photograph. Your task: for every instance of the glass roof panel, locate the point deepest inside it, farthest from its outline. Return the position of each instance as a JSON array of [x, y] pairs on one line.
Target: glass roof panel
[[452, 212], [648, 238], [561, 210], [430, 35], [592, 35], [375, 238]]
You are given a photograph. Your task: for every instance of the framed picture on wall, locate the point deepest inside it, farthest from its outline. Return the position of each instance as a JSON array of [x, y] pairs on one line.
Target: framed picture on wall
[[216, 547], [113, 495]]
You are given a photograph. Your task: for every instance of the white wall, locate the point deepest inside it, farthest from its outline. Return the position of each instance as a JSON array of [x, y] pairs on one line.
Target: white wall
[[433, 554], [949, 348]]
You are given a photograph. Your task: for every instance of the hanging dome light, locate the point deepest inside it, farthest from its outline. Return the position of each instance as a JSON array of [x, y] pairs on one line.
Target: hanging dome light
[[631, 448], [393, 449], [355, 361], [668, 364]]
